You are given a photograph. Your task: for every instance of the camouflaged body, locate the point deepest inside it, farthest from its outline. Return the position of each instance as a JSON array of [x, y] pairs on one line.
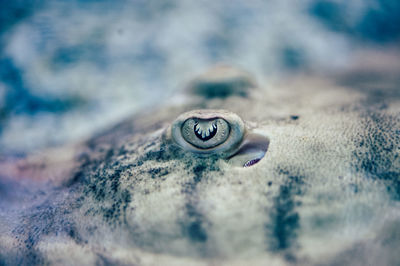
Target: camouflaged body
[[326, 193]]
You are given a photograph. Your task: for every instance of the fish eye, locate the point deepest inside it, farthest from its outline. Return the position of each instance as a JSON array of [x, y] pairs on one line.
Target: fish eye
[[205, 133], [208, 132]]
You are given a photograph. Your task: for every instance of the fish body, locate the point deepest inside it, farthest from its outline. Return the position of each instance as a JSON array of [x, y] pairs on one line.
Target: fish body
[[313, 180]]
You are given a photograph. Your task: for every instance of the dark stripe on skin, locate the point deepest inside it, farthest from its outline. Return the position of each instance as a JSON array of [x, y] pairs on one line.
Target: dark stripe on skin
[[281, 232], [195, 223], [378, 149], [194, 229]]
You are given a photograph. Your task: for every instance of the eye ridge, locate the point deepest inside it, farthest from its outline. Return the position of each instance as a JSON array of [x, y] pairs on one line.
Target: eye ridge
[[205, 135]]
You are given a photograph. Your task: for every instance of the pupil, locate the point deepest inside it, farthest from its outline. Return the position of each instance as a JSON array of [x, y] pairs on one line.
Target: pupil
[[205, 134]]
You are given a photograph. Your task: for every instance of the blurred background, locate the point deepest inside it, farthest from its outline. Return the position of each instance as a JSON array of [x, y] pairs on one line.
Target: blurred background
[[71, 68]]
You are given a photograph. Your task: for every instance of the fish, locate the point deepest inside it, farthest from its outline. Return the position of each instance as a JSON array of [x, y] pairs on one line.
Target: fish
[[304, 170]]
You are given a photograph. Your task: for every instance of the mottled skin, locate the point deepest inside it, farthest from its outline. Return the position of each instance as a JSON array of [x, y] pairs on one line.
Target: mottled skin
[[326, 193]]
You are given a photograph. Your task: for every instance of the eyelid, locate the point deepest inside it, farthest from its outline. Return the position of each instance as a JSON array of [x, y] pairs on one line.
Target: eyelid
[[226, 148]]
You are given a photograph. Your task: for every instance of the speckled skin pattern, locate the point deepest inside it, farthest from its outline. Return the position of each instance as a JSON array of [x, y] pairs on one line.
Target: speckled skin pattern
[[327, 191]]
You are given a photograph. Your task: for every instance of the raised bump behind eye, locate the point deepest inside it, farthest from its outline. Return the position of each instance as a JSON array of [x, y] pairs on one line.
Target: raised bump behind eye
[[222, 81], [208, 132]]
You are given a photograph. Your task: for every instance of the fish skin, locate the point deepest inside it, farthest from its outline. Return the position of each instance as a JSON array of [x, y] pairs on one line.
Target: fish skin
[[326, 193]]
